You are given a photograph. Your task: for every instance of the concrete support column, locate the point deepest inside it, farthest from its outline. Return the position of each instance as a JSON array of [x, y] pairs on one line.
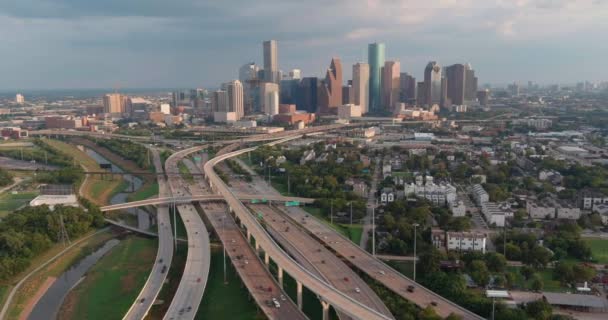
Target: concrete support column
[[280, 274], [257, 247], [325, 310], [266, 259], [299, 295]]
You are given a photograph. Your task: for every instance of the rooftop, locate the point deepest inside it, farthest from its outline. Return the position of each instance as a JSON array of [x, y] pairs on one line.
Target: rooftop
[[574, 300]]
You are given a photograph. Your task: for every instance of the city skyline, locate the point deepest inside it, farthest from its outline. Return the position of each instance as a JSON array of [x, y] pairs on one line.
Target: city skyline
[[124, 44]]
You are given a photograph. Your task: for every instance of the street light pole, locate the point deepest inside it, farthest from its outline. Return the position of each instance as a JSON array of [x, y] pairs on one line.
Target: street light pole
[[374, 231], [351, 213], [224, 260], [331, 211], [415, 258]]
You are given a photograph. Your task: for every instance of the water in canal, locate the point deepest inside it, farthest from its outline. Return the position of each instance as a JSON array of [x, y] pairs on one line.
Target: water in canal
[[143, 218], [48, 306]]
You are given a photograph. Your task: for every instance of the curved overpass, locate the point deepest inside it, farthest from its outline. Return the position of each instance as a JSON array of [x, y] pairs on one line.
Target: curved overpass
[[325, 291], [192, 285], [198, 198]]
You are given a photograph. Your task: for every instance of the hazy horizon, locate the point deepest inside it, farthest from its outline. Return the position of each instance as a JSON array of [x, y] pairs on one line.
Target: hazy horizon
[[71, 44]]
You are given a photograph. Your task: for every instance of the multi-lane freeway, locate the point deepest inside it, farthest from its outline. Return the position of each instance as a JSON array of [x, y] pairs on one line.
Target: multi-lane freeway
[[327, 293], [192, 285], [253, 273], [159, 272], [360, 258], [330, 267], [377, 269]]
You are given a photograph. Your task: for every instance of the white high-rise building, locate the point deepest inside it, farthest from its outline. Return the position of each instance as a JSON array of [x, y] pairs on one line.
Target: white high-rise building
[[361, 86], [295, 74], [19, 98], [234, 90], [270, 97], [272, 103], [165, 108]]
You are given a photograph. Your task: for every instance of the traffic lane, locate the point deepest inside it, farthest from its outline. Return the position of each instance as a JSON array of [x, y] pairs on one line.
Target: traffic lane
[[389, 277], [330, 266], [249, 267]]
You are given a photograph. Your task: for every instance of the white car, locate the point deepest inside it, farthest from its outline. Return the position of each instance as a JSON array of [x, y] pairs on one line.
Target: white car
[[357, 290]]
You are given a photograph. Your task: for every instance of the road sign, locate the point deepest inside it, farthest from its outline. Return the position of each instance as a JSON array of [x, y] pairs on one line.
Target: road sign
[[292, 203]]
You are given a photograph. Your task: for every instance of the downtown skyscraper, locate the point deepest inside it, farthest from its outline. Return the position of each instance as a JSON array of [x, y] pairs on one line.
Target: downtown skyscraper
[[271, 62], [331, 91], [375, 57], [432, 84], [390, 85], [361, 86]]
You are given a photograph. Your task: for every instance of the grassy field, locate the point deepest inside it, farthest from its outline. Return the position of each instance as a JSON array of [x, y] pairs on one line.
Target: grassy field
[[352, 232], [225, 301], [599, 249], [112, 284], [3, 293], [549, 284], [173, 277], [95, 189], [10, 202], [404, 267], [56, 268], [145, 192]]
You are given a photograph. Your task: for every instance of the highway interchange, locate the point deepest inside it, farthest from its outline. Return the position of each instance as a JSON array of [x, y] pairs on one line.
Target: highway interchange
[[325, 275]]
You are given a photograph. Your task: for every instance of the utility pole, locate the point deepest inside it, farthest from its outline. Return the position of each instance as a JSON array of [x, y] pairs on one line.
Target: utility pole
[[374, 231], [415, 258], [224, 260], [331, 212], [174, 227], [504, 243]]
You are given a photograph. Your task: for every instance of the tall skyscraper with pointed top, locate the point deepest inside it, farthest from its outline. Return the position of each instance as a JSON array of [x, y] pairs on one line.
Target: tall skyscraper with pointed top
[[331, 93], [271, 61], [375, 58]]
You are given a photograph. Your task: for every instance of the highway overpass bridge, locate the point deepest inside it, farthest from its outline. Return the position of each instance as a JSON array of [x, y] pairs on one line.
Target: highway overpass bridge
[[253, 198], [328, 294]]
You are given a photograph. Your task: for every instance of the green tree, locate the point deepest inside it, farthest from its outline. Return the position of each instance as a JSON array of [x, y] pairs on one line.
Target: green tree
[[527, 272], [496, 262], [480, 273], [539, 309], [537, 283]]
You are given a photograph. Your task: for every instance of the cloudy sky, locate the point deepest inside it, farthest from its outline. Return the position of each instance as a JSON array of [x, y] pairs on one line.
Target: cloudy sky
[[189, 43]]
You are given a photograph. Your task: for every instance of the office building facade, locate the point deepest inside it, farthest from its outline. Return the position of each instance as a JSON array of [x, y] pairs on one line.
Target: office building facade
[[390, 85], [331, 90], [432, 84], [271, 61], [407, 85], [375, 58], [361, 86]]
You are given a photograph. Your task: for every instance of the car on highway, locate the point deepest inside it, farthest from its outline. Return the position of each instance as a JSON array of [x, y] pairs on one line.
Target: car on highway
[[276, 303], [411, 288], [357, 290]]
